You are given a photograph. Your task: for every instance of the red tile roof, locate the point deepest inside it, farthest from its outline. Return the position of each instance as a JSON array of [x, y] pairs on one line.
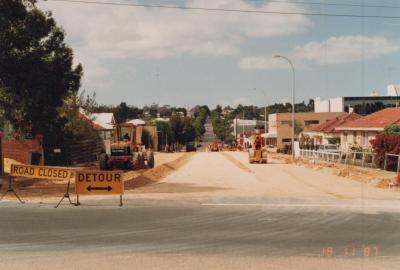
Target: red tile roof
[[330, 125], [376, 121]]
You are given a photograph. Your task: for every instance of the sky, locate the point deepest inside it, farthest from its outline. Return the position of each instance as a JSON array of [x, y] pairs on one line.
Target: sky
[[142, 55]]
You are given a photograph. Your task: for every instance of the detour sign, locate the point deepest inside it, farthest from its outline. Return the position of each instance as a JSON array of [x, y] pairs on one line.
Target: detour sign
[[99, 183], [42, 172]]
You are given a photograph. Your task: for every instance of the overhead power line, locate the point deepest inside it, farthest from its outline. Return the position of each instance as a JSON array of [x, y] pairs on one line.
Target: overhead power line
[[329, 4], [227, 10]]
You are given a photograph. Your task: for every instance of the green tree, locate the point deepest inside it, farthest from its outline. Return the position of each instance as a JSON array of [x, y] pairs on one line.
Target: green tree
[[78, 127], [36, 69], [124, 112], [392, 129], [189, 131], [165, 135]]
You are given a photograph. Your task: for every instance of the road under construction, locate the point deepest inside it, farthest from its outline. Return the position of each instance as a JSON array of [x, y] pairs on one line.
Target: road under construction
[[209, 210]]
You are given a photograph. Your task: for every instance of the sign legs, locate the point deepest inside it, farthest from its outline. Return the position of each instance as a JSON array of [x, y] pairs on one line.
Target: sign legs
[[77, 200], [66, 195], [11, 189]]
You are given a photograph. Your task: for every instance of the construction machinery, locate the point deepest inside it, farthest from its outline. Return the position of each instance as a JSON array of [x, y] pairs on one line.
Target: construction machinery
[[127, 151], [256, 152], [213, 147]]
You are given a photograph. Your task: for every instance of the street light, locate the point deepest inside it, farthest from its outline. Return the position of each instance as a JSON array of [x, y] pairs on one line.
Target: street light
[[293, 97]]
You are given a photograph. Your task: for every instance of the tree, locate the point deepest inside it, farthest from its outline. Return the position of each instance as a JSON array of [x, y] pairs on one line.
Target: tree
[[392, 129], [78, 127], [386, 144], [124, 112], [165, 135], [189, 132], [121, 112], [36, 69]]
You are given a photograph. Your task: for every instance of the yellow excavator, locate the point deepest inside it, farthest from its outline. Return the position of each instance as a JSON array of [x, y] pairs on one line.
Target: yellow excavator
[[256, 153]]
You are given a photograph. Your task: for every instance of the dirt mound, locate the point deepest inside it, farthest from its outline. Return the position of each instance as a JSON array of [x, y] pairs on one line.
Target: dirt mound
[[156, 174], [373, 177], [237, 163]]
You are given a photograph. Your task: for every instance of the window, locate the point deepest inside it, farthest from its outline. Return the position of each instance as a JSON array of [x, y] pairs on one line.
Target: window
[[311, 122], [286, 122], [286, 140]]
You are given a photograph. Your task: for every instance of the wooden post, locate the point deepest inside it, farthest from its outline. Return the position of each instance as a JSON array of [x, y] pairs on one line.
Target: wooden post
[[363, 159], [1, 155], [385, 163], [398, 163]]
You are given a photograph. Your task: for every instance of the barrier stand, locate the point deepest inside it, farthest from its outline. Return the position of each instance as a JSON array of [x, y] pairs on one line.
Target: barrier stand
[[10, 188], [78, 203], [77, 200], [66, 195]]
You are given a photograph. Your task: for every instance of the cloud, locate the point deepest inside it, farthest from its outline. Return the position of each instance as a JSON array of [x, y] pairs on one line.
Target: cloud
[[116, 32], [335, 50], [249, 63], [345, 49]]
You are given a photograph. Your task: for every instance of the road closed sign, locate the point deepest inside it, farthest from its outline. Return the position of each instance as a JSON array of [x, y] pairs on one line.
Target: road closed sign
[[42, 172], [99, 183]]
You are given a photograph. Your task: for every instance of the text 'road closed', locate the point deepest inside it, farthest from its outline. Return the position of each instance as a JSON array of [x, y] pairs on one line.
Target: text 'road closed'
[[42, 172], [99, 183]]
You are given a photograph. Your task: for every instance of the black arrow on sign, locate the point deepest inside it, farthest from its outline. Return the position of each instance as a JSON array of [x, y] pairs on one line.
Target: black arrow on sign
[[90, 188]]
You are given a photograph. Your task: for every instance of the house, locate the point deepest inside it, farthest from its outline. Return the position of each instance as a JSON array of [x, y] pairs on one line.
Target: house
[[361, 131], [280, 126], [137, 122], [104, 122], [325, 133]]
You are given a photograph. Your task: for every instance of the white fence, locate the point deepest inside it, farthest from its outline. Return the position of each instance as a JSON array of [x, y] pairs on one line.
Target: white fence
[[393, 157], [364, 159]]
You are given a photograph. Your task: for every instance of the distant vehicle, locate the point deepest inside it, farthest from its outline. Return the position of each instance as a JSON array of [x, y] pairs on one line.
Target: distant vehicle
[[214, 147], [191, 147], [328, 148]]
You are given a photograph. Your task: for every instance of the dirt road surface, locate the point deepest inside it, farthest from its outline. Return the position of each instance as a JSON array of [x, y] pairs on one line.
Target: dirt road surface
[[212, 211]]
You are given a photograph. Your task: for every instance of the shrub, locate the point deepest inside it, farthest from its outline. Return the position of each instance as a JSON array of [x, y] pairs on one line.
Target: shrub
[[386, 144]]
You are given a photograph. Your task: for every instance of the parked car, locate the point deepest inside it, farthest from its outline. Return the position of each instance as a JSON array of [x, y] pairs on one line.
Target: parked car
[[191, 147], [328, 148]]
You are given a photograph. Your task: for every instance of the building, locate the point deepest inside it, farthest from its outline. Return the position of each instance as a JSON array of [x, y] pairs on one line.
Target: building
[[361, 105], [325, 133], [243, 126], [137, 122], [104, 122], [280, 129], [361, 131]]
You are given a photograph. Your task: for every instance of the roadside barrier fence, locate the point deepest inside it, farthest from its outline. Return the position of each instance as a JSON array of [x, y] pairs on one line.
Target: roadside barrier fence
[[364, 159]]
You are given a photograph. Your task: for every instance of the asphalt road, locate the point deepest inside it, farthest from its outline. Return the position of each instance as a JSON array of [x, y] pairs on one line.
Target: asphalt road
[[210, 218]]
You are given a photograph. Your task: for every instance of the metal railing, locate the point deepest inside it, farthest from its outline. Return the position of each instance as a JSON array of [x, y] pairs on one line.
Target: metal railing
[[364, 159], [321, 155], [391, 156]]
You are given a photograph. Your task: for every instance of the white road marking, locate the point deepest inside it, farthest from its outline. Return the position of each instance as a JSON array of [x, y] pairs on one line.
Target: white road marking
[[297, 205]]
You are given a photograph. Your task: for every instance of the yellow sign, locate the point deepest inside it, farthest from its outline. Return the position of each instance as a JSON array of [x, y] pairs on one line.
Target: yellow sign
[[42, 172], [99, 183]]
